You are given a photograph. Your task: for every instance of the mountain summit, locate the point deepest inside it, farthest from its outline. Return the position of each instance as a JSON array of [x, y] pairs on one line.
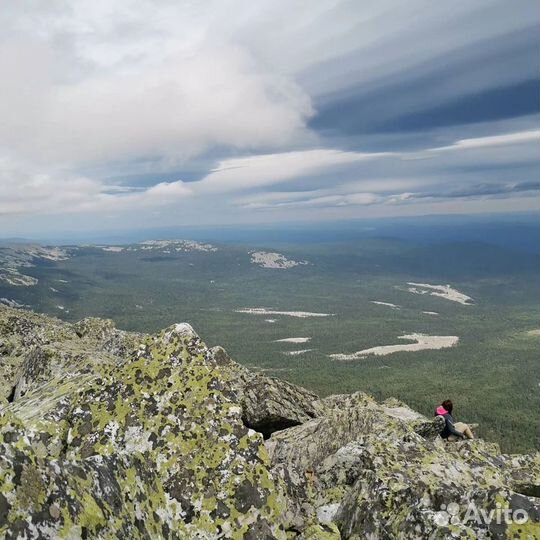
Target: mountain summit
[[110, 434]]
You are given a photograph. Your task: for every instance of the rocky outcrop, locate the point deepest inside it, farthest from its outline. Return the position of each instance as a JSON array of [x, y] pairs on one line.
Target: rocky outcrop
[[145, 446], [268, 404], [109, 434]]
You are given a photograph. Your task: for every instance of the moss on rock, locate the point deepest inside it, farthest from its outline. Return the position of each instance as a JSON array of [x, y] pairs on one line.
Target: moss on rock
[[148, 446], [107, 434]]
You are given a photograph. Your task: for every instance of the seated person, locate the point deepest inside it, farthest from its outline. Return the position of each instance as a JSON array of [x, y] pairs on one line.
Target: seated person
[[452, 431]]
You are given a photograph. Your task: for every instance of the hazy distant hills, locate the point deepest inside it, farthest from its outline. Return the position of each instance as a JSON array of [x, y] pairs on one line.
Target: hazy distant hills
[[374, 313]]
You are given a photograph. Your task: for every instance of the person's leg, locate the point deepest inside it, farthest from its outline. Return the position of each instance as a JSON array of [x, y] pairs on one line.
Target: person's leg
[[465, 429]]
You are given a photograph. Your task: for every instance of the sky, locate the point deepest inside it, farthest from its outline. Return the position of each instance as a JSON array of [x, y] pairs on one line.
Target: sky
[[139, 113]]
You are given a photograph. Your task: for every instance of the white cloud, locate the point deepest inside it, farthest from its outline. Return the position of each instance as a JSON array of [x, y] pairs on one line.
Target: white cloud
[[506, 139], [97, 86], [32, 191], [311, 199], [359, 192], [255, 171], [351, 199], [24, 192], [240, 174], [179, 107]]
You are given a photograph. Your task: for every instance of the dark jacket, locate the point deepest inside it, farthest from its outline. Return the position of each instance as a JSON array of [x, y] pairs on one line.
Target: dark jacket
[[449, 428]]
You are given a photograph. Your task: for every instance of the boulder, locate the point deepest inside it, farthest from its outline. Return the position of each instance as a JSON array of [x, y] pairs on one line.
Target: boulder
[[415, 489], [148, 446], [268, 404], [379, 472]]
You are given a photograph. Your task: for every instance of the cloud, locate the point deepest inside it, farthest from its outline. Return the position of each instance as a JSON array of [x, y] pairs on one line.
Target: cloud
[[377, 49], [239, 174], [447, 66], [485, 190], [351, 199], [442, 176], [176, 108], [223, 110], [318, 199], [23, 192], [307, 199], [360, 192], [506, 139], [263, 170]]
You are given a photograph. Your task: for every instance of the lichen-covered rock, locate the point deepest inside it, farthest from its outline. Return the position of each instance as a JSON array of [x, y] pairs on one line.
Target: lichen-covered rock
[[106, 337], [300, 455], [348, 401], [321, 531], [21, 332], [368, 470], [150, 446], [268, 404], [108, 434], [415, 490]]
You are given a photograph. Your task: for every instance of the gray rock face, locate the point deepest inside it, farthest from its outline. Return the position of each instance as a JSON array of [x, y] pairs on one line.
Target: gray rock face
[[268, 404], [146, 445], [272, 405], [107, 434], [369, 468], [433, 494]]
